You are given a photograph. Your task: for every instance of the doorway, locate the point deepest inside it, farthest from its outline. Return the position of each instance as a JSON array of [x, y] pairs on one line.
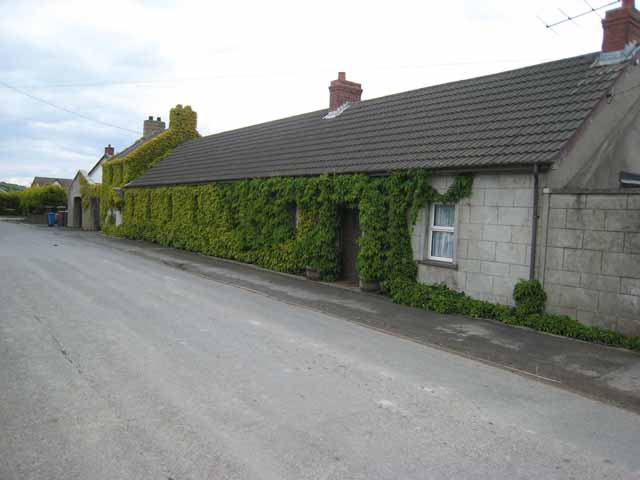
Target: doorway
[[349, 235], [95, 213], [77, 212]]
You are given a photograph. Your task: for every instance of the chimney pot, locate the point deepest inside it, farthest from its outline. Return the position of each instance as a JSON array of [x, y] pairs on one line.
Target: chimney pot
[[342, 91], [158, 119], [150, 117]]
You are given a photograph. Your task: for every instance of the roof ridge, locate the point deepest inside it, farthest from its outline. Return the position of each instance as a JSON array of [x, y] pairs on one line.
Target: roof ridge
[[369, 100]]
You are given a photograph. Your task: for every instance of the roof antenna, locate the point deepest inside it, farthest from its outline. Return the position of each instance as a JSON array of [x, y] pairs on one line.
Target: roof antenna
[[569, 17], [573, 18], [593, 10], [547, 26]]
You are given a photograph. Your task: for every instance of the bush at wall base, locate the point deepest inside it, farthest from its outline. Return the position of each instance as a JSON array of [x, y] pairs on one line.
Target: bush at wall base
[[441, 299]]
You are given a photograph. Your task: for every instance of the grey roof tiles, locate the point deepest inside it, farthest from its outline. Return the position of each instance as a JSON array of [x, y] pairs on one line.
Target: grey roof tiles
[[512, 118]]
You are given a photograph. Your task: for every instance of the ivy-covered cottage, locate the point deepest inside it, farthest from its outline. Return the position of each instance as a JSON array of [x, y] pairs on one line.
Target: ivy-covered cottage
[[86, 214], [526, 174]]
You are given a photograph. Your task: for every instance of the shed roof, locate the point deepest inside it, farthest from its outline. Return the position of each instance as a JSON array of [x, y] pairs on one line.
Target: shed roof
[[517, 117]]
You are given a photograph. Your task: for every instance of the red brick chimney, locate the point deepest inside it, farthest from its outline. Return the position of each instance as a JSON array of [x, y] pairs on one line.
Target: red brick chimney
[[109, 151], [343, 91], [621, 26]]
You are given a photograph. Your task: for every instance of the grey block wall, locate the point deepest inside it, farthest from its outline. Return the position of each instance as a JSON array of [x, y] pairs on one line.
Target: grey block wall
[[592, 263], [588, 249], [493, 243]]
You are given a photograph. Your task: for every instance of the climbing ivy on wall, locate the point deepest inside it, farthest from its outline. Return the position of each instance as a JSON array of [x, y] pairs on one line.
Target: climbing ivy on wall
[[254, 220], [88, 191], [120, 171]]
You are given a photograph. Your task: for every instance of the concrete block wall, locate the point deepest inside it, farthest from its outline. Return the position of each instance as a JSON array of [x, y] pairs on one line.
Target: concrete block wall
[[592, 259], [493, 238]]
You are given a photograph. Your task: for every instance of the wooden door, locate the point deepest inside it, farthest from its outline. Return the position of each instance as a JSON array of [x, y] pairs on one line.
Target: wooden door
[[77, 212], [350, 232]]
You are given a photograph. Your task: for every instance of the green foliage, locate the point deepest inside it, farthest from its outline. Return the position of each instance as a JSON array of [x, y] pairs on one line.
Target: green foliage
[[120, 171], [441, 299], [530, 297], [254, 220], [34, 199], [89, 191], [9, 202]]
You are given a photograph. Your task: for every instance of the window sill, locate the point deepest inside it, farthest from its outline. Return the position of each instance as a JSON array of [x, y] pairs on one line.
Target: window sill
[[437, 263]]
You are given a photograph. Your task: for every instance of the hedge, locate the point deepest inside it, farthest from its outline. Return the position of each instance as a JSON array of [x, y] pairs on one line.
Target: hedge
[[32, 200]]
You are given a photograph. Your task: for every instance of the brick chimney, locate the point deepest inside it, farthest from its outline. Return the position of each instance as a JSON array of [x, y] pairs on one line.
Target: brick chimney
[[152, 127], [343, 91], [109, 151], [621, 26]]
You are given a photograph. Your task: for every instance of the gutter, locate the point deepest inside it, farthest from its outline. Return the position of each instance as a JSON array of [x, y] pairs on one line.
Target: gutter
[[534, 222]]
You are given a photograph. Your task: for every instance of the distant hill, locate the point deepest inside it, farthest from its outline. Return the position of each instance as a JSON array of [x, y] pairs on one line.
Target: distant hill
[[10, 187]]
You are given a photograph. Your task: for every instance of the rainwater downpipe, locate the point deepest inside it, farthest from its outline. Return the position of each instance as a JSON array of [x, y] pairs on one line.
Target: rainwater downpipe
[[534, 222]]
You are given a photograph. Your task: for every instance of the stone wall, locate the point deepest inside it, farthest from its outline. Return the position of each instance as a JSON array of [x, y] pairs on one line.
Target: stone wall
[[493, 244], [592, 259]]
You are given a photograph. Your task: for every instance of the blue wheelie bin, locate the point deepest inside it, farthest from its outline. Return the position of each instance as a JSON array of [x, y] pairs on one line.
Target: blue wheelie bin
[[51, 219]]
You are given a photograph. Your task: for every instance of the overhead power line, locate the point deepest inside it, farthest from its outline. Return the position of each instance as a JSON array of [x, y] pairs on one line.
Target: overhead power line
[[107, 83], [67, 110]]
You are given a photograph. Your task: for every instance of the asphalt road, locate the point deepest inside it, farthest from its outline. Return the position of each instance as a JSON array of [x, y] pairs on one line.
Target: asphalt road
[[117, 366]]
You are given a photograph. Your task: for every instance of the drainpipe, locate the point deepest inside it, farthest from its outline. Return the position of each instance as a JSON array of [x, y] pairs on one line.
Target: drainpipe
[[534, 226]]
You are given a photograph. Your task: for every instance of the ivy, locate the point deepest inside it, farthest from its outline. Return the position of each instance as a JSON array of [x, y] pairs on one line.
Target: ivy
[[120, 171], [255, 220], [88, 191]]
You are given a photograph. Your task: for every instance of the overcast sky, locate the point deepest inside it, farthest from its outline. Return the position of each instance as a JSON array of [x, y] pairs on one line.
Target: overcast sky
[[238, 63]]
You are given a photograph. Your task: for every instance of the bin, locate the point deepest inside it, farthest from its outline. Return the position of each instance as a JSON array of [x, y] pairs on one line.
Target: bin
[[51, 219]]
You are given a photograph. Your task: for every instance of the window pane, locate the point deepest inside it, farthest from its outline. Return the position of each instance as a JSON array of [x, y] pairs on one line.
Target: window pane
[[442, 245], [444, 215]]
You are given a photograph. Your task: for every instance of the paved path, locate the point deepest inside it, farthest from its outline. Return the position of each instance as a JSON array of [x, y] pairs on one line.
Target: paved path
[[113, 365]]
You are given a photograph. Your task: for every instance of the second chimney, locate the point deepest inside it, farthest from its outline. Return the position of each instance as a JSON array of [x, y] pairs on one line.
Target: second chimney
[[342, 91], [152, 127], [621, 26], [109, 151]]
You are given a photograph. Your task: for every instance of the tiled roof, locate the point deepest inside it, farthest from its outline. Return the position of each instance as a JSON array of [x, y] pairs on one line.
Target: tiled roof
[[42, 181], [138, 143], [517, 117]]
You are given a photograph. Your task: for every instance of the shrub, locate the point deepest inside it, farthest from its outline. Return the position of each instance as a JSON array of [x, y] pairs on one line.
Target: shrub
[[530, 297], [9, 202], [35, 199], [528, 313]]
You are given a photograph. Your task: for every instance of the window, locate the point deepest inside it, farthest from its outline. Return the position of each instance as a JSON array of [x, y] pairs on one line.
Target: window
[[442, 232]]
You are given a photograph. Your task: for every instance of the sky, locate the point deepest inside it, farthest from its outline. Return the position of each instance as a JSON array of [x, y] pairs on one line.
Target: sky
[[241, 62]]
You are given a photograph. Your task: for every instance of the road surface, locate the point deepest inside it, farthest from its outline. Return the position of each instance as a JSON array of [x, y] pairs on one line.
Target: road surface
[[117, 366]]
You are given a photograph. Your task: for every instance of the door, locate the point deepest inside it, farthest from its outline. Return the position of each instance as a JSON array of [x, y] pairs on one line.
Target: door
[[350, 232], [95, 213], [77, 212]]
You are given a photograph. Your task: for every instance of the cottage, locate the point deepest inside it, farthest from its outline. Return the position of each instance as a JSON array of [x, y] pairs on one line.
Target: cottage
[[87, 217], [552, 150]]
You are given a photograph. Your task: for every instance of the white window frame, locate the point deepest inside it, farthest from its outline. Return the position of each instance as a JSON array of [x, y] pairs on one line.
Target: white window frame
[[435, 228]]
